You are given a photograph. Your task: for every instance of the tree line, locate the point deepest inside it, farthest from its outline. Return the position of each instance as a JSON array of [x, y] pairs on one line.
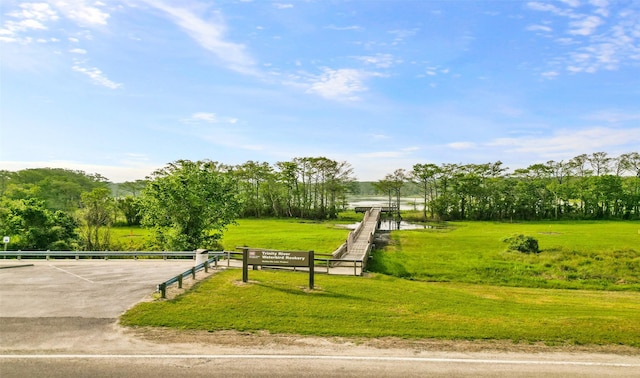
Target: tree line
[[188, 204], [588, 186]]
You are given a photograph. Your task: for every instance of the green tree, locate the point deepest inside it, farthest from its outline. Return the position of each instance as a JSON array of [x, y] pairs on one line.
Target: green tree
[[34, 227], [189, 204], [97, 215], [59, 188], [424, 175], [130, 208]]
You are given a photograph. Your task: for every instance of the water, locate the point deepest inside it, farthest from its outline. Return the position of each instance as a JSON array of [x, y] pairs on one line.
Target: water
[[391, 225], [406, 203]]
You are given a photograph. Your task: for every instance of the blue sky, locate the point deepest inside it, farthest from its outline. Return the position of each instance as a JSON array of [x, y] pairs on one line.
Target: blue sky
[[122, 87]]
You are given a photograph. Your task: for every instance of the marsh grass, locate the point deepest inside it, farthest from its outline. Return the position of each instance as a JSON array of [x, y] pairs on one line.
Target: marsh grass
[[379, 306], [574, 255]]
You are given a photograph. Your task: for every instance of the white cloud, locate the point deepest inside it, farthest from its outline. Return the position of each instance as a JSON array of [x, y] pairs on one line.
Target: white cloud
[[83, 13], [542, 28], [210, 34], [378, 60], [35, 11], [283, 6], [209, 118], [78, 51], [382, 154], [572, 3], [30, 17], [585, 26], [544, 7], [129, 168], [594, 40], [613, 116], [352, 27], [341, 84], [461, 145], [571, 141], [96, 75], [402, 34]]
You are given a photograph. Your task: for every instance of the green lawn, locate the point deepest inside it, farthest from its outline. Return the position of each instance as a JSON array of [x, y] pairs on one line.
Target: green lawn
[[583, 288], [285, 234], [380, 305], [575, 255]]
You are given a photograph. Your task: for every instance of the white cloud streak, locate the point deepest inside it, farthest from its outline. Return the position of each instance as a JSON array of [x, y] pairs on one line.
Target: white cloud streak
[[96, 75], [210, 35], [571, 141], [204, 117]]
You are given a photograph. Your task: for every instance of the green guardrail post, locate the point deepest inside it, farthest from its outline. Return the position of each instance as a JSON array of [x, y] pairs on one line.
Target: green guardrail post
[[163, 290], [180, 281], [193, 273], [206, 266]]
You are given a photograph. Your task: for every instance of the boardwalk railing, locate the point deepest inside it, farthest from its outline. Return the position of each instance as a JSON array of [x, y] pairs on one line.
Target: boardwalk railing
[[90, 254]]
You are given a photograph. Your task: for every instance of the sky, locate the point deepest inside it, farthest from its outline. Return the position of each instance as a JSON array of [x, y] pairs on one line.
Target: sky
[[123, 87]]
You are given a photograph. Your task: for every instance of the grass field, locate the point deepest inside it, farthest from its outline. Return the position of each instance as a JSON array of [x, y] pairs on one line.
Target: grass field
[[478, 290], [574, 255], [379, 306], [285, 234]]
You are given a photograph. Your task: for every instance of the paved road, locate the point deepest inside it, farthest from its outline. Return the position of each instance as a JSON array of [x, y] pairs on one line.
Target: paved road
[[59, 319]]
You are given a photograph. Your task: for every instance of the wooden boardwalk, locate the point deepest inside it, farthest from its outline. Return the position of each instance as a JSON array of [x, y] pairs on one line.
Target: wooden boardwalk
[[361, 241]]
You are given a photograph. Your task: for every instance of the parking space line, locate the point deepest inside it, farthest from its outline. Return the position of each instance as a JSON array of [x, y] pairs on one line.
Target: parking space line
[[75, 275]]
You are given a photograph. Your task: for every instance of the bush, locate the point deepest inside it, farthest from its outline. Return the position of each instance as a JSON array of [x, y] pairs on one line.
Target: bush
[[522, 243]]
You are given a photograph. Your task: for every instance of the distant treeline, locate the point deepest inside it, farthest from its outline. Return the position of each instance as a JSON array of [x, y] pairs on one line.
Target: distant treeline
[[592, 186], [58, 208]]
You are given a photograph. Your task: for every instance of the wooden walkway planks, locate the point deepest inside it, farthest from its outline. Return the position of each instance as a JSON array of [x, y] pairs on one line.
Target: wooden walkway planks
[[361, 246]]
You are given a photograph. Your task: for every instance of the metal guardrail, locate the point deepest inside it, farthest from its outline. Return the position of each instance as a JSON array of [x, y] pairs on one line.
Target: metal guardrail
[[105, 254], [162, 288]]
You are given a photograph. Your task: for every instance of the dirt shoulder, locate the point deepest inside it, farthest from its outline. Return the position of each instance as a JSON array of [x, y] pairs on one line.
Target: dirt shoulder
[[268, 343]]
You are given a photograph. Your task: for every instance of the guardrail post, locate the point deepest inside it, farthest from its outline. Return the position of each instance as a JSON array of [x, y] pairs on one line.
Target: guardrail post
[[163, 290], [206, 266], [180, 281], [193, 272]]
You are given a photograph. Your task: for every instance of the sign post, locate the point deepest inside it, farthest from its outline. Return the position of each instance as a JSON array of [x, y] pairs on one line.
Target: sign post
[[277, 258], [6, 240]]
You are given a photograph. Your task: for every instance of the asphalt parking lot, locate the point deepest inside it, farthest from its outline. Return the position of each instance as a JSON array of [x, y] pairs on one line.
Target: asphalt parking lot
[[87, 288]]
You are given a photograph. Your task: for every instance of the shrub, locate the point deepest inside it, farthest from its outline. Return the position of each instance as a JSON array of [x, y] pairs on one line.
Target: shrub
[[522, 243]]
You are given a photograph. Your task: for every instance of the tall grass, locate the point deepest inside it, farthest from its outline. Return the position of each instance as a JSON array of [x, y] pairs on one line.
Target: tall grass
[[575, 255]]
